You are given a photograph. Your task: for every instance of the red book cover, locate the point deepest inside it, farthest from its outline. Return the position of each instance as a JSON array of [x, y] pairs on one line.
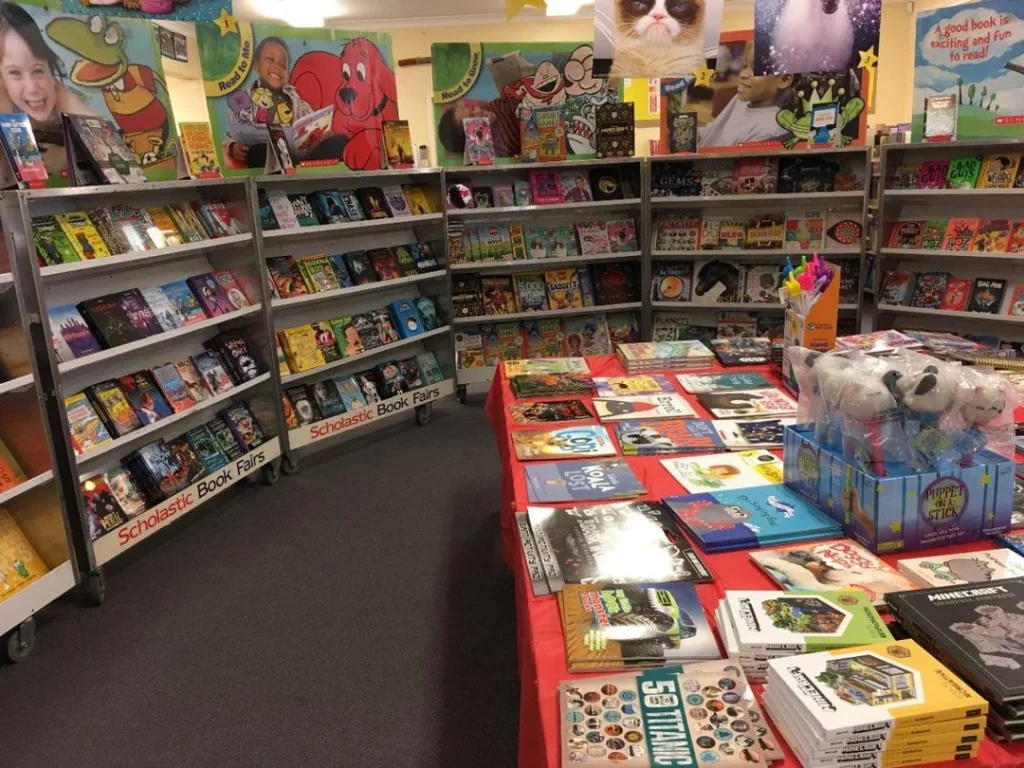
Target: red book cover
[[906, 234], [1015, 244], [960, 234], [958, 291], [1015, 308], [932, 174]]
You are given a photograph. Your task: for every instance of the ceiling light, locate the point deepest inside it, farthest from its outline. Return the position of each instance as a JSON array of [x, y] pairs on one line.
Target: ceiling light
[[298, 13], [565, 7]]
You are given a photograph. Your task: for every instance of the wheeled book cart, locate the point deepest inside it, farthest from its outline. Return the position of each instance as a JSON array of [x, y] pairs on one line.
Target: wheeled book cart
[[47, 287], [630, 204], [341, 238]]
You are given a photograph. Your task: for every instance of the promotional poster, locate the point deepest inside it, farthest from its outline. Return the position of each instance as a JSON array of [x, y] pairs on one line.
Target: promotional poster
[[315, 99], [181, 10], [508, 81], [734, 108], [87, 66], [975, 53]]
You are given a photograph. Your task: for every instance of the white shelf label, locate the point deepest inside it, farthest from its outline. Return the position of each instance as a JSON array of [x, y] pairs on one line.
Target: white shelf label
[[407, 401], [153, 519]]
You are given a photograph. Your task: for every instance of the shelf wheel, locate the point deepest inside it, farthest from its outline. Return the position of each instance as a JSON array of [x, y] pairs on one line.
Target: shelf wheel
[[460, 393], [21, 641], [271, 473], [289, 465], [424, 413], [95, 586]]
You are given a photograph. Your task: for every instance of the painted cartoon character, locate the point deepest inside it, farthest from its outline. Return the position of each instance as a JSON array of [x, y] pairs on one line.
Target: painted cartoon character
[[263, 101], [240, 104], [130, 91], [956, 569], [800, 127], [711, 516], [362, 88]]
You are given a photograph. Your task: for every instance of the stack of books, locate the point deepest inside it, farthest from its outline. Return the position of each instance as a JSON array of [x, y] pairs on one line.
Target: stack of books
[[887, 704], [664, 355], [976, 630], [759, 626]]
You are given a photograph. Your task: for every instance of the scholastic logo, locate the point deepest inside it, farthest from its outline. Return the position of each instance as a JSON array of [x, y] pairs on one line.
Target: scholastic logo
[[349, 420], [156, 518]]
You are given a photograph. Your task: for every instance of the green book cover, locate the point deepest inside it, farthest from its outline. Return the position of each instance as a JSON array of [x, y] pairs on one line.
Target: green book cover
[[934, 234], [317, 272], [964, 171], [52, 244], [406, 262]]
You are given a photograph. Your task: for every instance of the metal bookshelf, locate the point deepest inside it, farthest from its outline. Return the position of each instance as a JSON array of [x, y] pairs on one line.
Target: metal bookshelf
[[911, 204], [745, 206], [47, 287], [342, 238], [633, 175]]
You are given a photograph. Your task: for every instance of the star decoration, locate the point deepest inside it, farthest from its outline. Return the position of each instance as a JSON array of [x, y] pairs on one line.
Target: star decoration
[[895, 526], [879, 488], [831, 502], [986, 478], [703, 75], [991, 516], [226, 22], [911, 493], [868, 59]]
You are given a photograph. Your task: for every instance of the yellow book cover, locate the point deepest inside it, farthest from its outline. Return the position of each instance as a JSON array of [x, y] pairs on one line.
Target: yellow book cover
[[10, 472], [999, 170], [168, 229], [19, 563], [301, 348], [563, 289], [199, 150], [518, 238], [398, 143], [417, 200], [82, 233]]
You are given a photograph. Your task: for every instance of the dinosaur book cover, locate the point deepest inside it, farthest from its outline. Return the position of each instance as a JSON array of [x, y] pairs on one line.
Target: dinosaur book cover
[[326, 92]]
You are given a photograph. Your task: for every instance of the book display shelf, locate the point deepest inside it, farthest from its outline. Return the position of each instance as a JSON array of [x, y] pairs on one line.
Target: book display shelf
[[149, 303], [359, 306], [722, 225], [951, 238], [545, 259]]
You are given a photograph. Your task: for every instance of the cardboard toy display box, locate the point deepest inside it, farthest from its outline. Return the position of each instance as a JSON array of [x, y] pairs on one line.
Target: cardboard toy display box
[[904, 510], [816, 330]]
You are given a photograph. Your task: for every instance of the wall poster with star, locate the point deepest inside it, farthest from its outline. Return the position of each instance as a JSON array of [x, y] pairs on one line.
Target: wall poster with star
[[733, 108], [157, 10]]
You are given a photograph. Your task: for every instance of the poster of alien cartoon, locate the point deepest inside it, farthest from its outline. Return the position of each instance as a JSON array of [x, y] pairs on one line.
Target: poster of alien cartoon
[[505, 82], [736, 108], [315, 98], [976, 53], [182, 10], [52, 62]]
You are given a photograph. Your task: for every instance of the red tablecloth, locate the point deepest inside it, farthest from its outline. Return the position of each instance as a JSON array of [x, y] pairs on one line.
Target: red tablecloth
[[540, 646]]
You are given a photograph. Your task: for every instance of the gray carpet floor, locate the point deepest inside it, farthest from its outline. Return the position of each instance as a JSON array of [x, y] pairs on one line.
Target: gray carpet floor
[[355, 614]]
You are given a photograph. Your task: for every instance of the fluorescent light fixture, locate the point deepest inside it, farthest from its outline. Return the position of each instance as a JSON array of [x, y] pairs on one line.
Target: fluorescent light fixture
[[565, 7], [298, 13]]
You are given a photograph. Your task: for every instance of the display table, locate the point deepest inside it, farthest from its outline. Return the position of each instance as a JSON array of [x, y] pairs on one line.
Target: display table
[[540, 646]]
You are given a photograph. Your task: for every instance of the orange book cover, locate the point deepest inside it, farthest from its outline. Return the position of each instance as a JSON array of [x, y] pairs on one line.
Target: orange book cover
[[960, 234], [1016, 240], [19, 563]]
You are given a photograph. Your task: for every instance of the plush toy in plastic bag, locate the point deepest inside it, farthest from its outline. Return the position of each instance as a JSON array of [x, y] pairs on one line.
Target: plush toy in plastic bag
[[928, 392], [872, 430], [987, 404], [822, 379]]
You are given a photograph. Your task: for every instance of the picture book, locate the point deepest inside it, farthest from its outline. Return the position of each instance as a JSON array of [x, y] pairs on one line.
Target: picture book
[[499, 297], [906, 234], [563, 286], [199, 151], [932, 174], [659, 406], [502, 341], [398, 143], [623, 543], [593, 615], [589, 480], [548, 384], [83, 235], [929, 290], [999, 171], [623, 328], [755, 175], [716, 382], [993, 236], [566, 442], [805, 230], [621, 235], [843, 230], [612, 386], [109, 321], [102, 511], [113, 408], [671, 281], [561, 243], [716, 178], [72, 337], [987, 295], [530, 292], [666, 436], [679, 233], [896, 287], [738, 435], [763, 233], [717, 281], [87, 431], [821, 566], [720, 471], [964, 172], [593, 237], [956, 295], [965, 568], [551, 411], [53, 245], [748, 518], [762, 284], [739, 403], [184, 302], [544, 338], [1015, 306]]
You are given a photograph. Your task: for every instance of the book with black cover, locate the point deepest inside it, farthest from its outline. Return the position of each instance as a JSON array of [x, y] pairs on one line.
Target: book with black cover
[[975, 629], [359, 267], [108, 320], [192, 467], [374, 202], [225, 438], [987, 296], [626, 543], [243, 426], [140, 314], [235, 356], [104, 148]]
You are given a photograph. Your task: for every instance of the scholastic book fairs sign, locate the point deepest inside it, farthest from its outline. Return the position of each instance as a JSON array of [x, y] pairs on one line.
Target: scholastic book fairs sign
[[737, 291]]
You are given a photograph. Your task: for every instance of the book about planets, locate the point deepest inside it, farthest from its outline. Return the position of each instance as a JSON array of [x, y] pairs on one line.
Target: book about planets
[[661, 406], [589, 480], [532, 444], [720, 471]]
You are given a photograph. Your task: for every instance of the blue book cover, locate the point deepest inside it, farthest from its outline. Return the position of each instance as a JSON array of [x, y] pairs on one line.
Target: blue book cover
[[205, 445], [351, 396], [748, 518], [407, 318], [1014, 541], [600, 480], [337, 262], [330, 207], [71, 335]]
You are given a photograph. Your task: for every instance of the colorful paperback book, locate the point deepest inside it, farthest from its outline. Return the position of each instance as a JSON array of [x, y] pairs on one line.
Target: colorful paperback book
[[805, 231], [589, 480], [716, 382], [679, 233], [632, 385], [740, 469], [929, 290], [22, 150], [197, 387], [623, 328], [878, 342], [144, 397], [544, 367], [671, 281], [211, 298], [206, 448], [210, 368], [139, 313], [72, 337], [907, 234], [184, 302], [317, 273], [820, 566], [932, 174], [109, 321], [548, 412], [53, 245], [587, 335], [550, 384], [993, 236], [666, 436], [896, 287], [999, 171], [742, 350], [102, 510], [530, 444], [843, 230], [174, 388], [531, 292], [957, 294], [659, 406], [593, 236], [963, 568], [87, 431], [622, 235], [960, 234], [740, 403], [544, 338], [739, 435], [1015, 243], [749, 518], [125, 229], [964, 172], [113, 408], [82, 235], [933, 234], [163, 310]]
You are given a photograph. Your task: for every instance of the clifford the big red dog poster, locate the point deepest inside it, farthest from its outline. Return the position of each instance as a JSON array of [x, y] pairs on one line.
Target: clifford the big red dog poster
[[311, 99]]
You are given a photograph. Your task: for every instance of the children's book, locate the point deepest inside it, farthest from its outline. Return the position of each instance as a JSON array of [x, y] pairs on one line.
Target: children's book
[[929, 290], [755, 175], [716, 178], [396, 200], [145, 397], [933, 234], [398, 143], [1015, 306], [548, 412], [748, 518], [987, 296], [530, 292], [211, 298], [83, 235], [805, 230], [555, 482], [680, 232], [906, 176], [711, 231], [184, 302], [622, 235], [586, 335], [102, 511], [735, 235], [906, 234], [720, 471], [545, 187], [53, 245], [563, 286], [173, 387], [742, 350], [544, 338], [993, 236], [716, 382], [104, 149], [957, 294], [566, 442], [741, 403], [740, 435], [671, 281], [999, 171], [499, 296], [19, 142], [199, 151], [87, 431], [113, 408], [763, 233], [72, 337], [1015, 243], [964, 172], [614, 135], [614, 386], [659, 406], [109, 321], [593, 237], [843, 229], [826, 565], [896, 287], [932, 174], [666, 436], [963, 568], [623, 328]]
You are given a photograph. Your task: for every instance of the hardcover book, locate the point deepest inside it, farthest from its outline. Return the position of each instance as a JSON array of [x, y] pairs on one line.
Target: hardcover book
[[655, 438], [755, 175], [741, 469], [549, 384], [680, 232], [987, 296], [71, 336], [591, 480], [563, 286], [614, 134], [740, 403], [101, 140], [964, 568], [499, 297], [805, 230], [593, 237], [615, 283], [843, 230], [716, 178], [739, 350], [659, 406], [531, 444], [622, 235], [654, 383]]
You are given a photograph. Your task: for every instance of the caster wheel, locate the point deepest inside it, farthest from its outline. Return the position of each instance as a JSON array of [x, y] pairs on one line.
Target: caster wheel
[[424, 413], [96, 587], [21, 641], [289, 465], [460, 393], [271, 474]]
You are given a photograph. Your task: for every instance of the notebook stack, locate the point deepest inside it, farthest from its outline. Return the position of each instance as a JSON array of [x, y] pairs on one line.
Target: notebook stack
[[886, 705], [758, 626], [664, 355], [978, 630]]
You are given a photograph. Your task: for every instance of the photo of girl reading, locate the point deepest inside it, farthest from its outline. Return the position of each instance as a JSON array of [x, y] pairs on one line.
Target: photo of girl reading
[[31, 76]]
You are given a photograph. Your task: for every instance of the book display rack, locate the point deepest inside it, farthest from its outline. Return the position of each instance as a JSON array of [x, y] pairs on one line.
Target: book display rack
[[722, 226], [951, 249], [546, 259], [359, 306]]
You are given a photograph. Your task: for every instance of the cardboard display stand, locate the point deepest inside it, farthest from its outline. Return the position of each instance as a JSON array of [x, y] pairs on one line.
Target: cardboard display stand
[[816, 330]]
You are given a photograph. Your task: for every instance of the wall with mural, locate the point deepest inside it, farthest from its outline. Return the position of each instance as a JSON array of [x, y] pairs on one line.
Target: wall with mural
[[324, 93]]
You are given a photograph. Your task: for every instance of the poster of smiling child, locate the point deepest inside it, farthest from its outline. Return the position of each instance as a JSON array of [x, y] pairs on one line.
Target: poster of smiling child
[[500, 80], [317, 98], [52, 62]]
